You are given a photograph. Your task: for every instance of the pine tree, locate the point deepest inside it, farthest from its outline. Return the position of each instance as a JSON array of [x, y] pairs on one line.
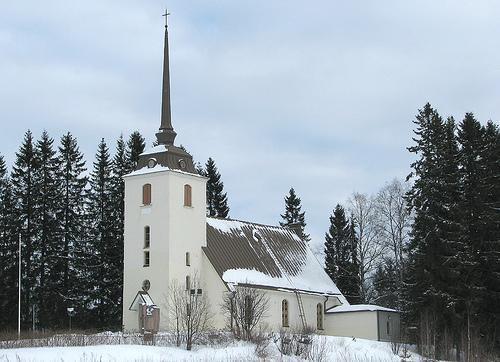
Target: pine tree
[[24, 189], [71, 214], [340, 255], [216, 197], [48, 231], [8, 251], [101, 231], [135, 146], [293, 216]]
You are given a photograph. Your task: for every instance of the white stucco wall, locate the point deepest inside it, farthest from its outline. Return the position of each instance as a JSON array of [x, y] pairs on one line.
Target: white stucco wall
[[175, 230], [353, 324]]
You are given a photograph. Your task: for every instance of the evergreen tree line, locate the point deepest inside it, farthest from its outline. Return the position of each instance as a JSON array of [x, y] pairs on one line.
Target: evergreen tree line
[[452, 292], [70, 221]]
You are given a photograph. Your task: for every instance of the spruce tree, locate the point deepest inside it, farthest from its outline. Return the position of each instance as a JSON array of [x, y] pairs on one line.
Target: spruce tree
[[135, 146], [340, 255], [71, 214], [25, 192], [48, 233], [490, 199], [119, 169], [434, 250], [8, 252], [101, 233], [293, 215], [216, 197], [474, 211]]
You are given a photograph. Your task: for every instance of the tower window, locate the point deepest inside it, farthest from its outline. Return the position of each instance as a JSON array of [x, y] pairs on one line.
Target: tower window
[[188, 282], [187, 195], [146, 258], [319, 316], [284, 313], [147, 237], [188, 259], [146, 194]]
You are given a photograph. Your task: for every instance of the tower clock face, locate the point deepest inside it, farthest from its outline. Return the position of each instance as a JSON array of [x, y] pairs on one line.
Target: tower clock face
[[151, 163], [146, 285]]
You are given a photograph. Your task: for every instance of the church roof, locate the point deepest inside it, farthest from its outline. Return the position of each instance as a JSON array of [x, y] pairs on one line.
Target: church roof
[[274, 257]]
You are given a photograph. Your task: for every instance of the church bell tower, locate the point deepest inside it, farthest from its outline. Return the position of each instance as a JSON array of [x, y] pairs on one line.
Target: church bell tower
[[165, 221]]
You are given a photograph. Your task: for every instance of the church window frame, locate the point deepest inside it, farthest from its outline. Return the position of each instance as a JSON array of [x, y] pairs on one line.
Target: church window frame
[[285, 313], [188, 282], [319, 316], [147, 260], [146, 194], [188, 195], [188, 258]]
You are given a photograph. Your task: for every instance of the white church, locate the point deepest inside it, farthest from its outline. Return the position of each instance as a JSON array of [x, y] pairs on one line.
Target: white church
[[169, 239]]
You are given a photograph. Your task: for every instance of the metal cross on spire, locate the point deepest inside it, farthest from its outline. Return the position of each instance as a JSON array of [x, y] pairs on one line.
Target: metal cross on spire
[[166, 17]]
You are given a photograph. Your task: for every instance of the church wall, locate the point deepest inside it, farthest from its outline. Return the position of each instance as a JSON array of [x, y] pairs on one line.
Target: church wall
[[214, 289]]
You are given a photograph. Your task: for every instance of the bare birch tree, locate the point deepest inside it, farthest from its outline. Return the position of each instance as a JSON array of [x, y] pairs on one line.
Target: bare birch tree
[[370, 248], [394, 221], [244, 309], [189, 311]]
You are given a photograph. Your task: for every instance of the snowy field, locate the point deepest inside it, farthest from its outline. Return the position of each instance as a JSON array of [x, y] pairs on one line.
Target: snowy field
[[324, 349]]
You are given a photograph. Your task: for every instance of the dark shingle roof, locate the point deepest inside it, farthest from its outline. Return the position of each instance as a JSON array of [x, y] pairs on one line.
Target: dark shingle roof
[[269, 256]]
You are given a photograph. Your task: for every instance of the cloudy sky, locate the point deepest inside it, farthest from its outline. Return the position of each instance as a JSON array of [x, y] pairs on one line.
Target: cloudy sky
[[318, 95]]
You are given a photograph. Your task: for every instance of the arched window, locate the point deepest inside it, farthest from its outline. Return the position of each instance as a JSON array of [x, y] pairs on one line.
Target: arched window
[[284, 313], [187, 195], [147, 237], [188, 259], [319, 316], [146, 194], [146, 258], [188, 282]]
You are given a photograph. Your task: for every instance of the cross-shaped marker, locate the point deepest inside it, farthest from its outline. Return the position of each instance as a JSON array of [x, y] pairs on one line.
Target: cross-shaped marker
[[166, 15]]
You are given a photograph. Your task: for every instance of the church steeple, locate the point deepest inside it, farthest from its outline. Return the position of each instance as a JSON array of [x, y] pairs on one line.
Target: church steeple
[[166, 134], [166, 154]]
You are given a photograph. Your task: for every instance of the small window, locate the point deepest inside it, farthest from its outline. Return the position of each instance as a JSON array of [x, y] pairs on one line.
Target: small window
[[187, 195], [188, 259], [188, 309], [147, 237], [146, 194], [146, 258], [284, 313], [188, 282], [319, 316]]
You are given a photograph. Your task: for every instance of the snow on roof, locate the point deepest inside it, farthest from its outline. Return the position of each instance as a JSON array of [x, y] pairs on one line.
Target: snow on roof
[[262, 255], [141, 298], [359, 308], [155, 149], [147, 170]]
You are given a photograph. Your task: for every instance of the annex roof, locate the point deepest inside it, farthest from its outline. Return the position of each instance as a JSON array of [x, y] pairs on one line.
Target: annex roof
[[265, 256]]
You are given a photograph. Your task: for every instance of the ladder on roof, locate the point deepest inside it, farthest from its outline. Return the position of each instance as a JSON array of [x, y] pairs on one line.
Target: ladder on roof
[[301, 310]]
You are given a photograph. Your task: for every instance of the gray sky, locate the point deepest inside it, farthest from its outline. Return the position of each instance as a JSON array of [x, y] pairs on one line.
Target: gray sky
[[318, 95]]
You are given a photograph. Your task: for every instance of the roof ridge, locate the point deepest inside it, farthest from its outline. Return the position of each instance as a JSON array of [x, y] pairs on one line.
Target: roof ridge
[[249, 222]]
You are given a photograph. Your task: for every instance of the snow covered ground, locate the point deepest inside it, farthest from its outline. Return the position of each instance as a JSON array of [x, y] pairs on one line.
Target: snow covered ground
[[325, 349]]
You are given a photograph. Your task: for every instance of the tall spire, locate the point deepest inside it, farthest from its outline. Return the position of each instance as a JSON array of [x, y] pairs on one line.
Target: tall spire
[[166, 135]]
